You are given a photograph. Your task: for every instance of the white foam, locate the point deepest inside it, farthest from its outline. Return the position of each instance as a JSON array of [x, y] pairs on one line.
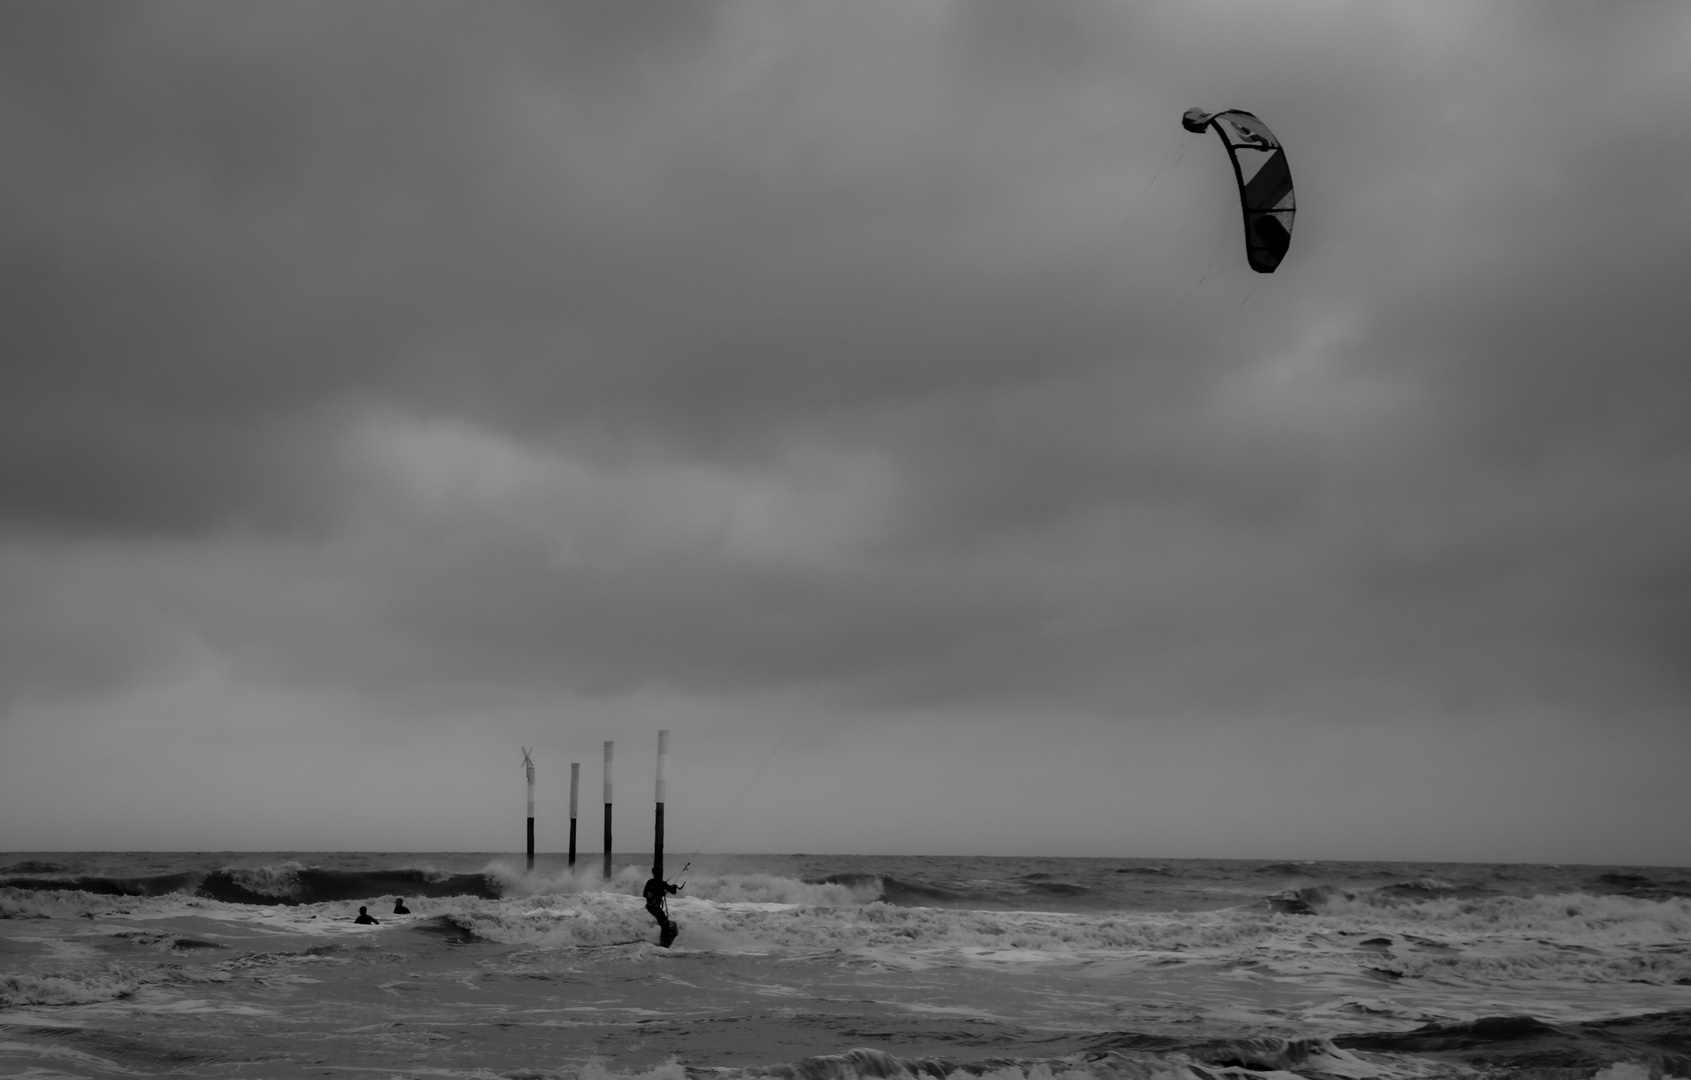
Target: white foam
[[1439, 957], [78, 988]]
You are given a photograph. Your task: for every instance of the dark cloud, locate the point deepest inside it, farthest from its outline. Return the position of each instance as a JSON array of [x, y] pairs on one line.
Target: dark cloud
[[901, 357]]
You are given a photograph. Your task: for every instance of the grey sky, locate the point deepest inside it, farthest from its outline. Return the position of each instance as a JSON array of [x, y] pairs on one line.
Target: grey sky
[[875, 388]]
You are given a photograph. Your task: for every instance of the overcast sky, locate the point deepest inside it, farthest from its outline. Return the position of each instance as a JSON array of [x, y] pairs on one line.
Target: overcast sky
[[873, 392]]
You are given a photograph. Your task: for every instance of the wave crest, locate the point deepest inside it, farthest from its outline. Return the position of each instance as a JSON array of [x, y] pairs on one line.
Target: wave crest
[[69, 989], [281, 881]]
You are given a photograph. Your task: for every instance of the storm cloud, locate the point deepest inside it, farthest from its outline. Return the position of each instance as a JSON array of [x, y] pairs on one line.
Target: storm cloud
[[873, 391]]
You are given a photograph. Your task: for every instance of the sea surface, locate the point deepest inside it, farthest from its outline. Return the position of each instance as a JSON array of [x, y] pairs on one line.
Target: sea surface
[[244, 964]]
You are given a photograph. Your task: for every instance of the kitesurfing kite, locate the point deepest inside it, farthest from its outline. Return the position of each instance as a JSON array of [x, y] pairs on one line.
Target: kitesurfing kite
[[1265, 181]]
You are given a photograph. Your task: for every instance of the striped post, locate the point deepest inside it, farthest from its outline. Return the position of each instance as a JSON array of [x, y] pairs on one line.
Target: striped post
[[607, 809], [528, 767], [575, 790]]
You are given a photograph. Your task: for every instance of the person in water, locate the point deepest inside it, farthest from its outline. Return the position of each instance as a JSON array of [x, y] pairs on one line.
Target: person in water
[[654, 892], [365, 917], [399, 907]]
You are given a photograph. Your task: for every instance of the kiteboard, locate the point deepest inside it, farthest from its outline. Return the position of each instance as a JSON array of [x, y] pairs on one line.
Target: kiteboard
[[667, 936]]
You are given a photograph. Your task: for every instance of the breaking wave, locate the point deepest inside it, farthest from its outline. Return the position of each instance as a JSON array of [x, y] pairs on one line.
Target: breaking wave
[[110, 983], [288, 883], [1494, 1047]]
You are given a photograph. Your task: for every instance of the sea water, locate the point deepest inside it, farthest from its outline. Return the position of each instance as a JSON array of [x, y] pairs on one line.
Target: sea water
[[250, 965]]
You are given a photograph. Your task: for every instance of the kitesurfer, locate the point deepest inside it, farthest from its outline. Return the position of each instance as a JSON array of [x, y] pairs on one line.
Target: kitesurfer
[[655, 891]]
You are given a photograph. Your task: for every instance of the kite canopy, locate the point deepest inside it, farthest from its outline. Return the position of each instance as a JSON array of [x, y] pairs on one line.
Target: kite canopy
[[1265, 181]]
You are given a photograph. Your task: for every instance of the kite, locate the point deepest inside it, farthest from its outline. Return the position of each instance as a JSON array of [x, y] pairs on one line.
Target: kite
[[1265, 181]]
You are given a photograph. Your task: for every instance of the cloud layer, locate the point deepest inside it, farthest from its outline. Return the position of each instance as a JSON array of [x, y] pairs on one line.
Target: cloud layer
[[387, 385]]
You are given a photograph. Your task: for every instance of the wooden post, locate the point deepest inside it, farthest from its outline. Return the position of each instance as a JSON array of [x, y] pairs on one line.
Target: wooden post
[[528, 767], [575, 789], [607, 809], [657, 840]]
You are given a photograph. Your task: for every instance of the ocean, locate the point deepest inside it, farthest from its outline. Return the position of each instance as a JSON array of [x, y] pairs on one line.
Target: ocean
[[229, 964]]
